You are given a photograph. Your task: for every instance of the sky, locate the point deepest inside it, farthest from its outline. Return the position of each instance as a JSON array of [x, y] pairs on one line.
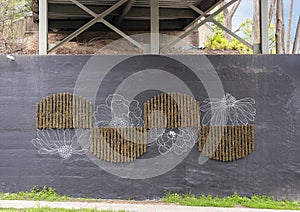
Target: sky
[[245, 11]]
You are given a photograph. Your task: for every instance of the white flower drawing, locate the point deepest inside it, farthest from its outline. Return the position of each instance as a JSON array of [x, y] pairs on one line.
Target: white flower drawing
[[228, 110], [61, 142], [177, 139], [118, 112]]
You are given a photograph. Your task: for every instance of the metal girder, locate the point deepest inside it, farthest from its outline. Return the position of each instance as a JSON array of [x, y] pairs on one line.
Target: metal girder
[[154, 13], [112, 27], [43, 27], [89, 24], [109, 25], [207, 19], [264, 27], [232, 34], [130, 25], [125, 12], [196, 9], [67, 12]]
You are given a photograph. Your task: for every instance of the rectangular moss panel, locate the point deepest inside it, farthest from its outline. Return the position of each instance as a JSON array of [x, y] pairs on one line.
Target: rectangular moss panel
[[64, 111], [118, 145], [226, 143], [171, 110]]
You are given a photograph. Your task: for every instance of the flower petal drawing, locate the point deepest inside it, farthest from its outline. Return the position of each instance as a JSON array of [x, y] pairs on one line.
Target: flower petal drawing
[[62, 142], [118, 113], [228, 110], [178, 140]]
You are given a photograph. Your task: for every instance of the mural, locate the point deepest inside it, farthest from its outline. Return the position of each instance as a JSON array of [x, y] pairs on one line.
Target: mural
[[178, 140], [118, 145], [172, 110], [65, 143], [118, 112], [225, 134], [63, 111], [172, 121], [228, 111]]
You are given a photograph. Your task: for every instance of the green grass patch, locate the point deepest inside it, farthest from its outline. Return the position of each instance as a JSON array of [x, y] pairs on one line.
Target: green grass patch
[[46, 209], [37, 194], [256, 201], [43, 194]]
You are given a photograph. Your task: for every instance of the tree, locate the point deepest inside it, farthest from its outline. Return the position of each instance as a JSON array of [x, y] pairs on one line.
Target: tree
[[228, 15], [10, 11], [296, 41], [288, 40], [271, 10], [279, 35], [255, 23]]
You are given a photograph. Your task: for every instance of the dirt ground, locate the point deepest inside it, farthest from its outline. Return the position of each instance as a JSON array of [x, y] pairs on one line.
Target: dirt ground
[[95, 45]]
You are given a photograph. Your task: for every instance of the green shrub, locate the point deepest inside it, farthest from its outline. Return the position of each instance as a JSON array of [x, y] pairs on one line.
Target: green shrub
[[217, 41]]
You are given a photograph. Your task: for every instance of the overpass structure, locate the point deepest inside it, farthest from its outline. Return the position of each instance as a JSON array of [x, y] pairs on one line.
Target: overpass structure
[[153, 16]]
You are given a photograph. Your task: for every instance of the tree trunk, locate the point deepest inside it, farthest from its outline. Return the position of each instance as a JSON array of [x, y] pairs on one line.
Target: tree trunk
[[297, 35], [279, 35], [271, 10], [228, 16], [255, 23], [288, 40]]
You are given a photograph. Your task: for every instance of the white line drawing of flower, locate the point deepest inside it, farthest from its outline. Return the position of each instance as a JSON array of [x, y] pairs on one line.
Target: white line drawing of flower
[[228, 110], [178, 140], [118, 113], [61, 142]]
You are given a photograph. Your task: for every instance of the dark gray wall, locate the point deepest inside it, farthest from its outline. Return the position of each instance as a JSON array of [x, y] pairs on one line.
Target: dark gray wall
[[272, 169]]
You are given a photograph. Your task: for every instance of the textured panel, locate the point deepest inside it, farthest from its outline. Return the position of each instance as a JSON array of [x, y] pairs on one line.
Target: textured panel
[[226, 143], [172, 110], [63, 111], [118, 145]]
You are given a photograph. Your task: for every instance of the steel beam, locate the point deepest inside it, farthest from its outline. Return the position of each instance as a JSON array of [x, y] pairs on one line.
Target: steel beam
[[127, 8], [109, 25], [207, 19], [71, 11], [264, 27], [112, 27], [154, 13], [196, 9], [232, 34], [89, 24], [43, 27], [84, 8]]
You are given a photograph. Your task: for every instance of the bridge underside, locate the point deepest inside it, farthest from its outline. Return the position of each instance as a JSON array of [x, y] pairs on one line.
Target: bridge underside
[[132, 15]]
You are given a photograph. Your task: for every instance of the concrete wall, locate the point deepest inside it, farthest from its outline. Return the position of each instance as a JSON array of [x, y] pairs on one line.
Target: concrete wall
[[272, 169]]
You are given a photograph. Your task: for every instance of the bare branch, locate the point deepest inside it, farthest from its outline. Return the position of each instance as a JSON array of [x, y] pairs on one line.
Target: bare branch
[[297, 40], [271, 10]]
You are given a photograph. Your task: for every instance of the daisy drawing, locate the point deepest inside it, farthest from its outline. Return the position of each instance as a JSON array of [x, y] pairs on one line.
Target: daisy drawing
[[65, 143], [228, 111]]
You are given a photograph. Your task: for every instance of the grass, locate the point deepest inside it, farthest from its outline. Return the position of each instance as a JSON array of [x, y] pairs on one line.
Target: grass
[[37, 194], [256, 201], [49, 194], [43, 194], [46, 209]]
